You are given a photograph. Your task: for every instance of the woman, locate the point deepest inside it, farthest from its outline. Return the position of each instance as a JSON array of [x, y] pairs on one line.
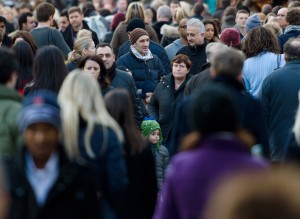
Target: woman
[[135, 10], [168, 93], [118, 17], [25, 56], [26, 36], [142, 192], [82, 47], [211, 32], [94, 65], [90, 132], [48, 71], [262, 51]]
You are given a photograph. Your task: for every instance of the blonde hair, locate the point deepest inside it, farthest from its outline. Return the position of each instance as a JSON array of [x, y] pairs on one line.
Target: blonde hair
[[179, 15], [84, 33], [88, 104], [135, 10], [79, 45]]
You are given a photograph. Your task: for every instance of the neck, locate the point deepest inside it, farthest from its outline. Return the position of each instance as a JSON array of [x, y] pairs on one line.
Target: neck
[[44, 24], [76, 29], [40, 162], [242, 30], [184, 41]]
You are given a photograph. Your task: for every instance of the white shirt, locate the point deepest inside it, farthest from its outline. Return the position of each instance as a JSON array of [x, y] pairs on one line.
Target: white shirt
[[42, 180]]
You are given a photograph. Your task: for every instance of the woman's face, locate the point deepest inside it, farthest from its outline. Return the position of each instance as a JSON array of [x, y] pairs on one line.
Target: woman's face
[[93, 68], [91, 49], [179, 70], [209, 32]]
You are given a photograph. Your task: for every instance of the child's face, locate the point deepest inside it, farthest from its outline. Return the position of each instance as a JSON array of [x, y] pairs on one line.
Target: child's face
[[154, 137]]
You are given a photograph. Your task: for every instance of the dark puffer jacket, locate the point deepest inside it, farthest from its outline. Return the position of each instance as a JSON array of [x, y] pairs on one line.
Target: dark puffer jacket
[[163, 103], [146, 73]]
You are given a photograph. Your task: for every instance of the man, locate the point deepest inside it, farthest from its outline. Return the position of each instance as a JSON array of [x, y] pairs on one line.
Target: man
[[281, 15], [176, 45], [6, 40], [146, 68], [121, 6], [43, 34], [240, 20], [76, 24], [43, 182], [293, 29], [196, 48], [9, 102], [63, 21], [279, 96], [154, 47], [121, 79], [163, 16], [26, 21]]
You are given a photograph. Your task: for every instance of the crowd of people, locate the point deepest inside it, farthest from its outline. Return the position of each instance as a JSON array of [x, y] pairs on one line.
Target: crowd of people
[[149, 109]]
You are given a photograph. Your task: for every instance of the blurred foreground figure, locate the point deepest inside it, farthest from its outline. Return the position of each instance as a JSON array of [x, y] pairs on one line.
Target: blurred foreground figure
[[260, 196]]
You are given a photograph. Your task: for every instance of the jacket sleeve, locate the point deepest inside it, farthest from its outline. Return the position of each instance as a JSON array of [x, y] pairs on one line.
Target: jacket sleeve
[[61, 44], [115, 41], [162, 71], [153, 107], [165, 61], [152, 33]]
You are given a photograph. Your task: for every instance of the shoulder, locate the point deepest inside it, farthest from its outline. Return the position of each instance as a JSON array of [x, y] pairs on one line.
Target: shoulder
[[184, 50]]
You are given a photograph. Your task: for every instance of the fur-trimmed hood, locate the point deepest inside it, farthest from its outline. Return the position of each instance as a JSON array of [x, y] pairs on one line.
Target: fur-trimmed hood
[[169, 31]]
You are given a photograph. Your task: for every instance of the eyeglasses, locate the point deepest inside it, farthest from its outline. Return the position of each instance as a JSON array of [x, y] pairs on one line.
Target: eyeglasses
[[107, 55], [183, 27]]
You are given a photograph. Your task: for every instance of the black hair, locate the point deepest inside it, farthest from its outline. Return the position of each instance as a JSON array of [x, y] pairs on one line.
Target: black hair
[[23, 18], [8, 64]]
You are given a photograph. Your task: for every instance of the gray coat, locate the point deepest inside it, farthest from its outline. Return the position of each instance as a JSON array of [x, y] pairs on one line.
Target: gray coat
[[161, 157]]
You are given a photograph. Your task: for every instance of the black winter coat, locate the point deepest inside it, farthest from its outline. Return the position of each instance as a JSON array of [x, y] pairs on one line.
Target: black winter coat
[[69, 34], [164, 101], [146, 74], [73, 194], [197, 55]]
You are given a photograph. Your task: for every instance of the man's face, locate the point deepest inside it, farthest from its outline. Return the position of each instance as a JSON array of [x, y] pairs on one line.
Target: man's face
[[142, 45], [3, 27], [75, 19], [106, 55], [281, 15], [173, 7], [30, 24], [182, 28], [194, 37], [41, 140], [241, 19], [63, 23], [122, 5]]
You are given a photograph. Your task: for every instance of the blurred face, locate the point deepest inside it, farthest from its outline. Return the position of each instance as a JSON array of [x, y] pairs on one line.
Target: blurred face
[[41, 140], [30, 24], [3, 27], [122, 5], [142, 45], [173, 7], [281, 15], [76, 19], [63, 23], [91, 49], [179, 70], [93, 68], [154, 137], [209, 32], [106, 55], [194, 37], [241, 19]]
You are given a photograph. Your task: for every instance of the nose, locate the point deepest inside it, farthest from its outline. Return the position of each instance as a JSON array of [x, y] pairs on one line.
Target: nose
[[40, 136]]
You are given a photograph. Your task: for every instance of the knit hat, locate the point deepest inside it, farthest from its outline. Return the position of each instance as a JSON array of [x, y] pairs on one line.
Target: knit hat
[[230, 37], [41, 107], [252, 22], [148, 126], [135, 23], [119, 17], [136, 34]]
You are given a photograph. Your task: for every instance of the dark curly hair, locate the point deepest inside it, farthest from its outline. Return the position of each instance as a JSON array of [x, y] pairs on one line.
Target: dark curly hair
[[293, 16], [258, 40]]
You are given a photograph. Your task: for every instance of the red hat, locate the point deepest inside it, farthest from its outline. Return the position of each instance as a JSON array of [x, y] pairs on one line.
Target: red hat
[[119, 17], [230, 37]]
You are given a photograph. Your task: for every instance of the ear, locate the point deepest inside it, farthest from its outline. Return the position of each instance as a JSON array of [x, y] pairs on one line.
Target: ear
[[114, 57]]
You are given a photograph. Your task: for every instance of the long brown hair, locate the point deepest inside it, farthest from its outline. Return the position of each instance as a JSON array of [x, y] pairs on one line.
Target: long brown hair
[[258, 40], [119, 104]]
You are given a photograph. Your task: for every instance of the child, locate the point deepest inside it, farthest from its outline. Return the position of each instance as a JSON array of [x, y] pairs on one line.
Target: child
[[151, 130]]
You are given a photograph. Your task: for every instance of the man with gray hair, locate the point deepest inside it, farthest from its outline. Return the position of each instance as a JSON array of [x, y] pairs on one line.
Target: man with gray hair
[[163, 16], [196, 48], [202, 78]]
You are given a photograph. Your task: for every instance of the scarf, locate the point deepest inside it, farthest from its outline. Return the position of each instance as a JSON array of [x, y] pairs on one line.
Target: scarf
[[146, 57]]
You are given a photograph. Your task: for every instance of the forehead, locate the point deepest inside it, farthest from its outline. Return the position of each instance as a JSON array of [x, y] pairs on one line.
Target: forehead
[[91, 63], [173, 5], [192, 29], [283, 11], [242, 14], [30, 18], [144, 37], [75, 13], [209, 25], [104, 50], [183, 22]]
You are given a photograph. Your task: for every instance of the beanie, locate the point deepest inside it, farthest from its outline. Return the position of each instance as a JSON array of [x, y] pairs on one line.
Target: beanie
[[148, 126], [230, 37], [117, 19], [136, 34], [135, 23], [252, 22]]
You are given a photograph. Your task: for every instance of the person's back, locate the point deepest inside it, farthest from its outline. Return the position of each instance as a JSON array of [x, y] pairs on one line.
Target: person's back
[[9, 103]]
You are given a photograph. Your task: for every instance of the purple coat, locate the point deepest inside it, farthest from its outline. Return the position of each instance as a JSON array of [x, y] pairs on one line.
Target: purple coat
[[192, 175]]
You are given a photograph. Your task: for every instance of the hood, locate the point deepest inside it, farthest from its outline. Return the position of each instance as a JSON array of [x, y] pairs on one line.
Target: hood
[[169, 31]]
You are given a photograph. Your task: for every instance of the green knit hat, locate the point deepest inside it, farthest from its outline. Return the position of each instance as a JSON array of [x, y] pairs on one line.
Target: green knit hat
[[148, 126]]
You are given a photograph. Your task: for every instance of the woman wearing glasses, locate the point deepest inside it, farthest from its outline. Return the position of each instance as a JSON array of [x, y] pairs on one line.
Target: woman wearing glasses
[[168, 93]]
